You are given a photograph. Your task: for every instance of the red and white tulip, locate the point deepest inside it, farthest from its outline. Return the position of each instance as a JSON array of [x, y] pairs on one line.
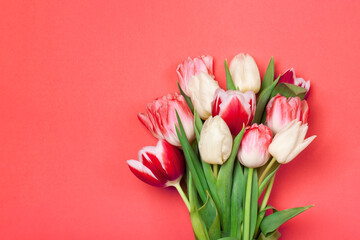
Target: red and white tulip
[[253, 151], [235, 107], [290, 141], [160, 166], [191, 67], [281, 110], [245, 73], [289, 77], [160, 118]]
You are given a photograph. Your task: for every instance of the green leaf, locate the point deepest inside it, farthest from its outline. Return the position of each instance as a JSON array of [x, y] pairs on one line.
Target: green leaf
[[262, 101], [199, 226], [269, 75], [197, 125], [192, 161], [272, 236], [261, 216], [266, 180], [193, 195], [187, 99], [254, 204], [210, 217], [229, 82], [228, 238], [275, 220], [237, 201], [224, 183], [289, 90]]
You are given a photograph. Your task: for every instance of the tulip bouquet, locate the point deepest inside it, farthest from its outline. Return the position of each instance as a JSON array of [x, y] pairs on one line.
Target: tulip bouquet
[[221, 149]]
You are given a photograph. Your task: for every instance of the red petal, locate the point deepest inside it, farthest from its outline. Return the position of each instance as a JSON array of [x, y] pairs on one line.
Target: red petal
[[144, 174], [235, 115], [173, 161]]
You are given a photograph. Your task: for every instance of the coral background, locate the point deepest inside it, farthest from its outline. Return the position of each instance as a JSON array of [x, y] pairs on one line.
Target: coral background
[[74, 75]]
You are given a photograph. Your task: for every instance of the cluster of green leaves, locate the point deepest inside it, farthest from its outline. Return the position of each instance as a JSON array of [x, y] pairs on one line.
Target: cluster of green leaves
[[226, 206]]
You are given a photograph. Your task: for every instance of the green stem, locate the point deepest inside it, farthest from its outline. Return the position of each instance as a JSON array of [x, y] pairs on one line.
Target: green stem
[[267, 194], [264, 202], [183, 195], [247, 205], [267, 169], [215, 169]]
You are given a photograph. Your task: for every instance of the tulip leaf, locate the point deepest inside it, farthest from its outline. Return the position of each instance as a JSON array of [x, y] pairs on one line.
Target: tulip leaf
[[289, 90], [210, 216], [228, 238], [237, 201], [266, 180], [193, 195], [187, 99], [229, 82], [199, 226], [261, 216], [224, 183], [275, 220], [197, 125], [192, 161], [272, 236], [262, 101], [269, 75]]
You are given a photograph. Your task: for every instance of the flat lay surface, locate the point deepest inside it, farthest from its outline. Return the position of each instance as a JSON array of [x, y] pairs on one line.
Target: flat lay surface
[[75, 74]]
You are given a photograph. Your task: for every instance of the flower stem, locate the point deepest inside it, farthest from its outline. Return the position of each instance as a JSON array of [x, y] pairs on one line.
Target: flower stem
[[247, 205], [267, 169], [264, 202], [267, 193], [215, 169], [183, 195]]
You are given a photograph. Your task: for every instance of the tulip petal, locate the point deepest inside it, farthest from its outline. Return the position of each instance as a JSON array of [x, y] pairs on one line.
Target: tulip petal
[[299, 148], [144, 173], [171, 160]]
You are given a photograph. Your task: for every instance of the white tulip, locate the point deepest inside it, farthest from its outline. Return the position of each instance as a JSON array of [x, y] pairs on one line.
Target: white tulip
[[290, 141], [201, 89], [215, 141], [245, 73]]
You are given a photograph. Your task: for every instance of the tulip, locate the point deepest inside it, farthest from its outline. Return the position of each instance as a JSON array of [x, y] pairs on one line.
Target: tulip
[[253, 151], [215, 141], [235, 107], [290, 141], [160, 118], [192, 67], [245, 73], [160, 166], [201, 89], [281, 110], [289, 77]]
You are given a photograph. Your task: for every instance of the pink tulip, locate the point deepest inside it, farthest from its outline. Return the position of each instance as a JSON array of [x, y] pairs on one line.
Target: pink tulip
[[160, 166], [192, 67], [253, 151], [235, 108], [281, 110], [289, 77], [160, 118]]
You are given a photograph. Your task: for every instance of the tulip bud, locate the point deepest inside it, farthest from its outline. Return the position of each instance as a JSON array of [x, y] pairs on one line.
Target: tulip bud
[[253, 151], [281, 110], [192, 67], [201, 89], [290, 141], [235, 108], [160, 166], [160, 118], [215, 141], [245, 73], [289, 77]]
